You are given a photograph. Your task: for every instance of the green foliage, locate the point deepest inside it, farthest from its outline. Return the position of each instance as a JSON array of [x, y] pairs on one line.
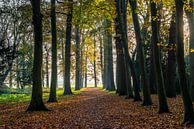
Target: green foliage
[[24, 65], [7, 98], [24, 95], [110, 92]]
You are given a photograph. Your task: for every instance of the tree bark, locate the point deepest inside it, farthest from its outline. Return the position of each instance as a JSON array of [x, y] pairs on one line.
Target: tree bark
[[188, 107], [47, 66], [95, 77], [171, 61], [101, 58], [128, 61], [120, 64], [190, 17], [86, 63], [110, 86], [10, 79], [67, 85], [36, 103], [78, 70], [146, 91], [163, 106], [53, 96]]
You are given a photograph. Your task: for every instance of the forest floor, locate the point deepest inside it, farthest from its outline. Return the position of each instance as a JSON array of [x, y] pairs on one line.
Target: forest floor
[[92, 109]]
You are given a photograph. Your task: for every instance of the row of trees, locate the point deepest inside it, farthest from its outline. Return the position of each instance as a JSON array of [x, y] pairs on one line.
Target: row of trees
[[148, 37], [17, 59]]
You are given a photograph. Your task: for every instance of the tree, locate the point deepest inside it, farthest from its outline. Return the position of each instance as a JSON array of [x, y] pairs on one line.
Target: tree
[[146, 91], [120, 64], [119, 6], [47, 65], [101, 57], [188, 107], [36, 103], [190, 17], [171, 61], [94, 63], [108, 57], [163, 106], [53, 97], [67, 85], [86, 63], [78, 65]]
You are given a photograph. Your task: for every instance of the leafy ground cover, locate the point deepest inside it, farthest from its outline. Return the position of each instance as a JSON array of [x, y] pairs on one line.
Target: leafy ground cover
[[93, 108]]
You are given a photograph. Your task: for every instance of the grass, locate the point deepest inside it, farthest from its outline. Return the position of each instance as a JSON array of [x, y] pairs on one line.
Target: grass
[[17, 98], [25, 95], [8, 98], [109, 92]]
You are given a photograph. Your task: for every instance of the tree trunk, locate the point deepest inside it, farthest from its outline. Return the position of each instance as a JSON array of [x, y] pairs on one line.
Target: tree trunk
[[190, 17], [10, 79], [188, 107], [47, 66], [128, 61], [81, 68], [86, 68], [53, 97], [101, 58], [152, 79], [36, 103], [171, 61], [146, 91], [109, 57], [77, 51], [105, 55], [120, 64], [163, 106], [67, 85], [95, 77]]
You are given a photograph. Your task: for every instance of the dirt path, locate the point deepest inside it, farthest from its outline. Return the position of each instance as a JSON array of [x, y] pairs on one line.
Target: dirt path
[[92, 109]]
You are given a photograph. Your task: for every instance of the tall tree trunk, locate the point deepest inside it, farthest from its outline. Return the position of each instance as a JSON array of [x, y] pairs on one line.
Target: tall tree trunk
[[105, 56], [81, 69], [43, 74], [36, 103], [152, 79], [152, 83], [109, 57], [67, 85], [17, 73], [171, 61], [95, 77], [53, 97], [86, 68], [146, 91], [120, 64], [10, 79], [124, 4], [78, 70], [190, 17], [128, 61], [47, 66], [188, 107], [101, 58], [163, 106]]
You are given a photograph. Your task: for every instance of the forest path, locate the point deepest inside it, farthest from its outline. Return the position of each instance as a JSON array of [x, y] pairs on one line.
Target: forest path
[[91, 109]]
